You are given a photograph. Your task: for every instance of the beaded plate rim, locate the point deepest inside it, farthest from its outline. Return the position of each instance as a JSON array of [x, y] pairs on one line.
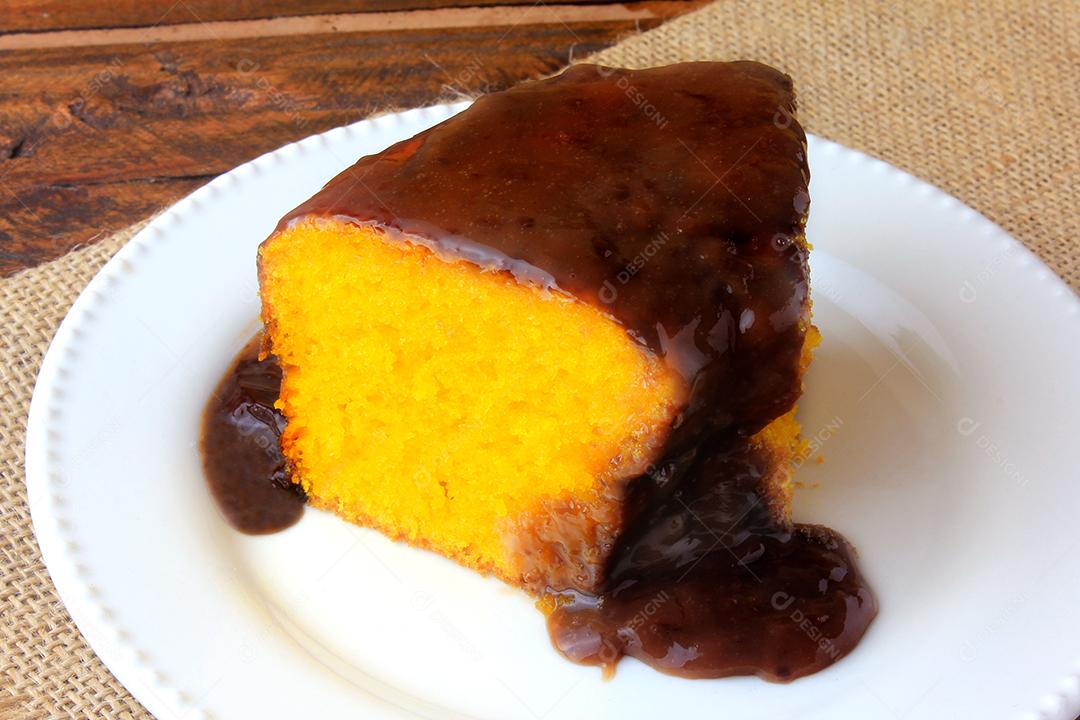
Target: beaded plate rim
[[52, 518]]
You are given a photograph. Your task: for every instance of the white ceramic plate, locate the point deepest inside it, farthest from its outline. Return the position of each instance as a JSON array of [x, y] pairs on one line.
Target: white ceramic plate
[[945, 397]]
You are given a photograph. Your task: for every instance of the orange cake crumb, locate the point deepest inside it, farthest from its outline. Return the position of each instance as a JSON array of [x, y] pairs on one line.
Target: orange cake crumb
[[445, 404]]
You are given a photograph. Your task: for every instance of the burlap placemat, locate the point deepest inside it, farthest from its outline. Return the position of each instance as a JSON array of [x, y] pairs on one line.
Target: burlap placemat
[[980, 99]]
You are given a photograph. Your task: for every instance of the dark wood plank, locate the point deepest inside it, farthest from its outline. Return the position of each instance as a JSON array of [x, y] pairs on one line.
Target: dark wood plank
[[38, 220], [305, 25], [90, 114], [44, 15], [94, 138]]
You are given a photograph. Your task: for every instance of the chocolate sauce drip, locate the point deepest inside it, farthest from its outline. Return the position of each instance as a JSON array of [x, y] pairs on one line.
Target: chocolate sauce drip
[[674, 200], [242, 458], [710, 584]]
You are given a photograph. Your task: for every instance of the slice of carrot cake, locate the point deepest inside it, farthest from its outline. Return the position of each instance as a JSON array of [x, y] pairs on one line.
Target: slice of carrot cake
[[508, 337]]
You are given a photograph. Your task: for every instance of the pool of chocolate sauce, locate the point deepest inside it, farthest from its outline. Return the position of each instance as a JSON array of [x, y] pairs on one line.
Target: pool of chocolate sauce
[[242, 458], [673, 199], [710, 584]]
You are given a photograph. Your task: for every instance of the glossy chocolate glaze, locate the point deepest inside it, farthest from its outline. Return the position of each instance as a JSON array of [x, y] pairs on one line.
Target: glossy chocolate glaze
[[709, 584], [674, 199], [667, 197], [242, 458]]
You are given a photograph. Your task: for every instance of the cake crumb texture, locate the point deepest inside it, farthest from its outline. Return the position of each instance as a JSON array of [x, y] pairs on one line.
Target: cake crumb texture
[[446, 404]]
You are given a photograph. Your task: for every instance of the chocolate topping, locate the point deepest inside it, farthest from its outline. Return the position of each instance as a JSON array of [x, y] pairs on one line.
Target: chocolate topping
[[671, 198]]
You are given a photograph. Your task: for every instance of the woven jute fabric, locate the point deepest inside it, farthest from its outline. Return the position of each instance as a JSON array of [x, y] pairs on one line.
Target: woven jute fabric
[[46, 668], [980, 99]]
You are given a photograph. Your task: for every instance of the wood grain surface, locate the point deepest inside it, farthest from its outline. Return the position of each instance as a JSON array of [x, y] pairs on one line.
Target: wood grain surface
[[110, 111]]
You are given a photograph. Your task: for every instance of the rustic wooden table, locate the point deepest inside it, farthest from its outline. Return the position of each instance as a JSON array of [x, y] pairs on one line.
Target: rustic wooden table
[[111, 110]]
